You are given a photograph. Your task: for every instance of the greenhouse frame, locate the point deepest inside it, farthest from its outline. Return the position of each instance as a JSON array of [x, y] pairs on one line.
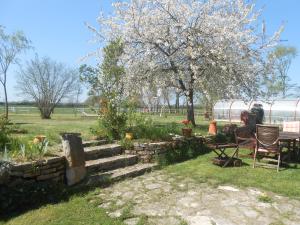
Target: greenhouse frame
[[275, 111]]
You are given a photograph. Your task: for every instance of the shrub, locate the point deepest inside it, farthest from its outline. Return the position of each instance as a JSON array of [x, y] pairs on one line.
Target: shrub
[[5, 132], [126, 144], [188, 150], [145, 128], [111, 123]]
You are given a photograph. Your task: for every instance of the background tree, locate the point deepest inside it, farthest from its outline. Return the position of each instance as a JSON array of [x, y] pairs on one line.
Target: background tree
[[279, 83], [11, 46], [183, 40], [106, 79], [47, 82]]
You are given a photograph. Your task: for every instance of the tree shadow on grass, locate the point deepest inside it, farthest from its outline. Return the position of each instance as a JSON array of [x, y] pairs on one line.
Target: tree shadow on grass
[[55, 194]]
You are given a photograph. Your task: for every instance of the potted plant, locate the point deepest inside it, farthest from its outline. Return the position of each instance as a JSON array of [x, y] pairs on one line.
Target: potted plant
[[187, 130], [129, 133]]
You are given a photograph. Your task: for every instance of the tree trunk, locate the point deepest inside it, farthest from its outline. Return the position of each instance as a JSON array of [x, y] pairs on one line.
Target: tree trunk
[[190, 108], [6, 101], [177, 103], [45, 113]]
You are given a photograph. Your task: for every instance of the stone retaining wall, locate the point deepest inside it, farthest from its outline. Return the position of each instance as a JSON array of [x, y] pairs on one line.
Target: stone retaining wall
[[29, 183], [51, 169], [148, 152]]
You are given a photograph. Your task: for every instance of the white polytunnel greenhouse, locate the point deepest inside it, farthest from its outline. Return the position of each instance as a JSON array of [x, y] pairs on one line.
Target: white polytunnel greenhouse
[[275, 111]]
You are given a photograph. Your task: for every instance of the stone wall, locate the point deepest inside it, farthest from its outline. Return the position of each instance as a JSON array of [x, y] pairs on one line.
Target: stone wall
[[148, 152], [29, 183], [51, 169]]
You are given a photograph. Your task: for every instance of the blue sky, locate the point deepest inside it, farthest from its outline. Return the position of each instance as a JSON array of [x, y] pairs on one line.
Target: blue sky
[[56, 28]]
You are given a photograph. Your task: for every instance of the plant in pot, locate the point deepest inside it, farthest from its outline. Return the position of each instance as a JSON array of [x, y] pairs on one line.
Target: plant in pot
[[187, 130], [129, 133]]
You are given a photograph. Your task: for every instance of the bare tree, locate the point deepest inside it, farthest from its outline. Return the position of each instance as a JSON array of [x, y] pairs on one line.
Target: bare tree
[[10, 47], [279, 82], [47, 82]]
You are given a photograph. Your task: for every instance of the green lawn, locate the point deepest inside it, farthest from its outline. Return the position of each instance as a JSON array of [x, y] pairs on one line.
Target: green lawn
[[286, 182], [68, 122], [77, 210]]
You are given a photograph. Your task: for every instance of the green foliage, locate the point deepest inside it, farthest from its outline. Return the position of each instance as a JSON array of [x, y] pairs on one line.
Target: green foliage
[[111, 123], [188, 150], [105, 80], [22, 150], [278, 83], [145, 128], [5, 132], [126, 144], [265, 198], [220, 138]]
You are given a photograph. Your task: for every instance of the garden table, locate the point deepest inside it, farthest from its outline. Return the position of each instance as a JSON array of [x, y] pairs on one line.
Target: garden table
[[226, 159], [291, 139]]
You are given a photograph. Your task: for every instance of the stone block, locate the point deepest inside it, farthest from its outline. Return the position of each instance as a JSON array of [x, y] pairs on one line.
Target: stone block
[[48, 176], [73, 150], [75, 174], [48, 171], [55, 160], [31, 174]]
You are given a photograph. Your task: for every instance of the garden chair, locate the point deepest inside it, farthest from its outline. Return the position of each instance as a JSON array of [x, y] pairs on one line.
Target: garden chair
[[267, 142], [244, 138]]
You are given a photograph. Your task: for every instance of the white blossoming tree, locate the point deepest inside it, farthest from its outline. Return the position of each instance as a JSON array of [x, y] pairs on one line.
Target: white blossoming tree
[[190, 45]]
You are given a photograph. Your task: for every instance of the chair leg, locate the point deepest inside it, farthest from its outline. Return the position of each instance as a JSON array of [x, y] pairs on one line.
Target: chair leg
[[254, 158], [278, 164]]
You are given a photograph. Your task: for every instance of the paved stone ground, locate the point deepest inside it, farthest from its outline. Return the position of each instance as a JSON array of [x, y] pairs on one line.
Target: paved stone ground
[[159, 198]]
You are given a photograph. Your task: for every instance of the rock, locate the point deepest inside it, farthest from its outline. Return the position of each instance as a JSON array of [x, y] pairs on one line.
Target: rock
[[115, 214], [199, 220], [131, 221], [228, 188], [75, 174], [74, 153], [73, 150], [48, 176]]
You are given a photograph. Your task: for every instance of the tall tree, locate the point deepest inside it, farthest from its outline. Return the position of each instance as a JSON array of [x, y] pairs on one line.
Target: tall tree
[[47, 82], [106, 79], [11, 46], [279, 83], [182, 40]]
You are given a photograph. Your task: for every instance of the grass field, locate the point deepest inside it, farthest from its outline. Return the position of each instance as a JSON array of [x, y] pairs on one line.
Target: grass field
[[68, 122]]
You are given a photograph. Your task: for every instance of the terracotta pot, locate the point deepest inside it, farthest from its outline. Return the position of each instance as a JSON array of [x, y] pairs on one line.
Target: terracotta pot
[[212, 128], [187, 132], [129, 136], [38, 139]]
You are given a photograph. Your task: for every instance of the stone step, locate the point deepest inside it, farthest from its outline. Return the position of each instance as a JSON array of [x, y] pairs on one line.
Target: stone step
[[111, 163], [120, 174], [107, 150], [94, 143]]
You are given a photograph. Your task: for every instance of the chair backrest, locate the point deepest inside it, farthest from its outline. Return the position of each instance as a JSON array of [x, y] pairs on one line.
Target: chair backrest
[[244, 137], [267, 137], [291, 126]]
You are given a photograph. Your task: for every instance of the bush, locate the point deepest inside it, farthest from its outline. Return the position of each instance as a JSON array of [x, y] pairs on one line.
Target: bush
[[5, 132], [188, 150], [126, 144], [145, 128], [111, 123]]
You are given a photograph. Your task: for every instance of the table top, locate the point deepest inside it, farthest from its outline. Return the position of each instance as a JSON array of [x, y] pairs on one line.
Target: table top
[[283, 135]]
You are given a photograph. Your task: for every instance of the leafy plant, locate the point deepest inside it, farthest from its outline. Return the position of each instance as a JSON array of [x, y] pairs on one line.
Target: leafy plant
[[111, 122], [126, 144], [5, 131]]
